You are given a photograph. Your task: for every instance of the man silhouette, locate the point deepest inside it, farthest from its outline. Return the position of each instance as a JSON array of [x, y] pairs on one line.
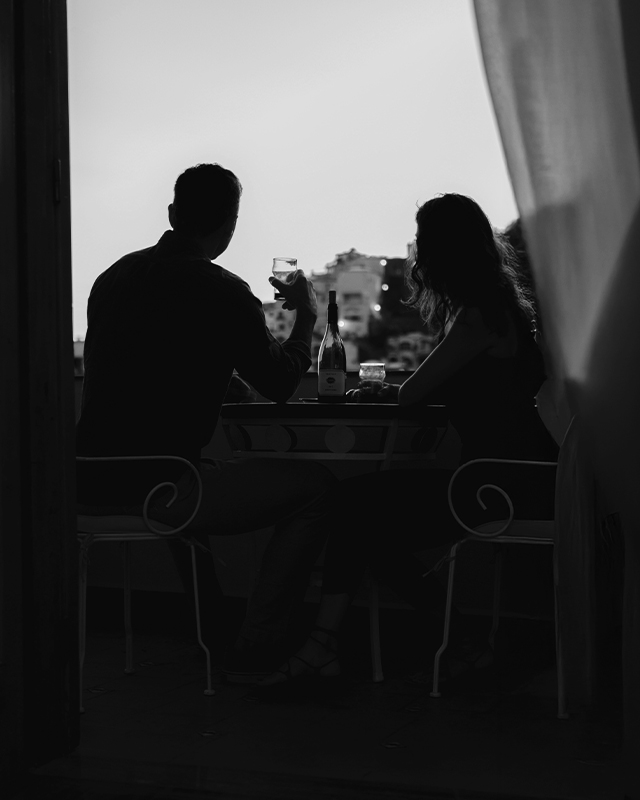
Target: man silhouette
[[167, 328]]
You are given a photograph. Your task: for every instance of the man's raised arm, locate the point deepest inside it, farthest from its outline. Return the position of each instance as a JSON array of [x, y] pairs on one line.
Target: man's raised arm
[[275, 369]]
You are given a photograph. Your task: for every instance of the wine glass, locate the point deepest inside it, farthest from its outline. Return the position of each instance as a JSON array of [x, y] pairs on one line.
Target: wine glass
[[283, 269]]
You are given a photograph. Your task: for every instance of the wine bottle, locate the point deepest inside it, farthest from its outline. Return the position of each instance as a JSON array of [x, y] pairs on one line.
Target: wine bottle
[[332, 359]]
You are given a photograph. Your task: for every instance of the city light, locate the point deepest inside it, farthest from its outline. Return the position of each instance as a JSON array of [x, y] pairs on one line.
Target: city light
[[377, 307], [341, 323], [385, 287], [383, 262]]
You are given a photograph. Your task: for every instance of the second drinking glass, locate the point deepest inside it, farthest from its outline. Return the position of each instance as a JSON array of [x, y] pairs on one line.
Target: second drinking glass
[[372, 375]]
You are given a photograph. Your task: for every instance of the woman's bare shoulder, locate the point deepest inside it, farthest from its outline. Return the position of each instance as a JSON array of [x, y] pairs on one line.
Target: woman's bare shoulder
[[472, 321]]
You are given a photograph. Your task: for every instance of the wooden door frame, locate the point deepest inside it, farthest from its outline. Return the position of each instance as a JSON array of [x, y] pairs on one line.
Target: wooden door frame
[[38, 551]]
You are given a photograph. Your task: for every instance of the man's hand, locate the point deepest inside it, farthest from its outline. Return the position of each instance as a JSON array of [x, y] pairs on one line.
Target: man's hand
[[299, 294]]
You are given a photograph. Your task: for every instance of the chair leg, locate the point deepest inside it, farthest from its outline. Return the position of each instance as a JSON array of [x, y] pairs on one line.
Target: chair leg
[[196, 593], [82, 616], [447, 620], [497, 583], [374, 632], [126, 557]]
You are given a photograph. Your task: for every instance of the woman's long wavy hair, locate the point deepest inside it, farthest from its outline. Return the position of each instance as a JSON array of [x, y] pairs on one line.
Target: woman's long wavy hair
[[459, 261]]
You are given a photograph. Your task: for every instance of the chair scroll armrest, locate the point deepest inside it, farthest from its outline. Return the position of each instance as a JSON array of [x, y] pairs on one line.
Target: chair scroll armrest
[[494, 487], [167, 484]]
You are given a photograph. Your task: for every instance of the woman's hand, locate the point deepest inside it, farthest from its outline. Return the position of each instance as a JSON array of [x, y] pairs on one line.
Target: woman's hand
[[373, 392]]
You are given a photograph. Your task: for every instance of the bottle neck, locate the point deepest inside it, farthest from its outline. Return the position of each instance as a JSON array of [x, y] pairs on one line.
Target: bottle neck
[[332, 315]]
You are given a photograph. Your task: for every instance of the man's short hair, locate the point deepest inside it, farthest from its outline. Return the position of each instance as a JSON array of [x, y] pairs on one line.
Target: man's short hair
[[203, 197]]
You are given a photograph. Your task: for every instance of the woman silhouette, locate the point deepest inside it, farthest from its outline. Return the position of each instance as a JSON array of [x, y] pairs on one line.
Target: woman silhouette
[[487, 369]]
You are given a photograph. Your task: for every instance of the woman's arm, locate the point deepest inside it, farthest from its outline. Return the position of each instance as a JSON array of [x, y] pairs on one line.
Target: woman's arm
[[467, 338]]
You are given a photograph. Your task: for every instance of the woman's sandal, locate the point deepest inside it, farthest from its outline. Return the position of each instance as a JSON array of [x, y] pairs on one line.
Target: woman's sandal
[[311, 671]]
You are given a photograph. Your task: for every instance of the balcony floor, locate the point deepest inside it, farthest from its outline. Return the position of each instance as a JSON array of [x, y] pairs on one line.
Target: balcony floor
[[492, 734]]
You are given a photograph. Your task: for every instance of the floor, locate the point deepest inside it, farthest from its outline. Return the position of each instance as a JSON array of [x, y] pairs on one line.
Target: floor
[[492, 734]]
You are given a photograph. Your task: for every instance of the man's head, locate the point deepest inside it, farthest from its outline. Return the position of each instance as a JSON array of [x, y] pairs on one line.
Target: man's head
[[206, 198]]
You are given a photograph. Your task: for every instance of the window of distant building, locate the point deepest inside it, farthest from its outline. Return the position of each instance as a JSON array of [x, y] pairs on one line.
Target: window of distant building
[[352, 297]]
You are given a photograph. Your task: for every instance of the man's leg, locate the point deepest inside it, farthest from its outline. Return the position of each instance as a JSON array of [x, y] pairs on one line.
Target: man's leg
[[245, 495], [283, 577]]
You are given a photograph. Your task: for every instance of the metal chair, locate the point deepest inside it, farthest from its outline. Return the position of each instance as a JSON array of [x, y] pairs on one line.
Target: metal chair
[[510, 531], [93, 528]]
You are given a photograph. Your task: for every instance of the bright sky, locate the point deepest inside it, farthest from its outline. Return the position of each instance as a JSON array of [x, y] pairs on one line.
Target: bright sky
[[338, 117]]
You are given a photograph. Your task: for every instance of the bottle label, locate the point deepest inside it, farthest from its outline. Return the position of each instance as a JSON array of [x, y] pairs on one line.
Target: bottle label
[[331, 382]]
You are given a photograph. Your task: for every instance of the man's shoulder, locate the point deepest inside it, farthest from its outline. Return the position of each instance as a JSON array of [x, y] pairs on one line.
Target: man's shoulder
[[227, 282], [138, 255], [199, 277], [125, 262]]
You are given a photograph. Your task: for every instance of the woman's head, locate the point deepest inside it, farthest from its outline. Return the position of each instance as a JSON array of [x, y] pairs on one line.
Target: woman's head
[[458, 260]]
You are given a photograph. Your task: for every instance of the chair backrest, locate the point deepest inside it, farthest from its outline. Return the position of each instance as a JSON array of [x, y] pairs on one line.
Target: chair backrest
[[477, 475], [162, 530]]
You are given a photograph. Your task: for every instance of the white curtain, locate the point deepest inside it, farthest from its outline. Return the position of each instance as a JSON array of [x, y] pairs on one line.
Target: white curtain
[[564, 77]]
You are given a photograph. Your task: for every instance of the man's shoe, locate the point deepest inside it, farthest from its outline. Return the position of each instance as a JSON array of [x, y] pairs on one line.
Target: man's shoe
[[250, 664]]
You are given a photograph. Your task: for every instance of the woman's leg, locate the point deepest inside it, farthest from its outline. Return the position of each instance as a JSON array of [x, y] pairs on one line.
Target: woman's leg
[[368, 525]]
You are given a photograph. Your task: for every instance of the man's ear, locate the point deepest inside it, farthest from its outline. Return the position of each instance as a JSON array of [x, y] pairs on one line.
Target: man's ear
[[230, 223], [172, 215]]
